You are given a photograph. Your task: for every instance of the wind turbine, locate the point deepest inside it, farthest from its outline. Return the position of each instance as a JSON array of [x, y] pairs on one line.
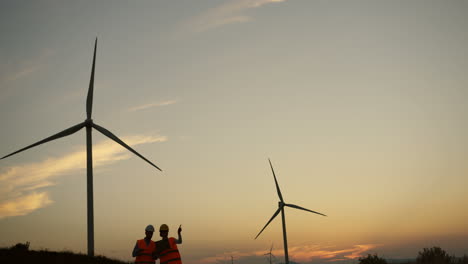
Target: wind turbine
[[88, 123], [281, 205], [270, 254]]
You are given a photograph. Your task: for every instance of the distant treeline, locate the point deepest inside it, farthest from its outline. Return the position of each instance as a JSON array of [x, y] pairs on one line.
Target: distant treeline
[[434, 255], [20, 254]]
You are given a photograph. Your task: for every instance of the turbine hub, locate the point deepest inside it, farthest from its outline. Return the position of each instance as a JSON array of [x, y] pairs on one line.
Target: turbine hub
[[89, 122]]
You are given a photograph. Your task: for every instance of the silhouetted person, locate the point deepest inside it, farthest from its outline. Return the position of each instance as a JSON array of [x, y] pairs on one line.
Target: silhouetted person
[[144, 249], [166, 248]]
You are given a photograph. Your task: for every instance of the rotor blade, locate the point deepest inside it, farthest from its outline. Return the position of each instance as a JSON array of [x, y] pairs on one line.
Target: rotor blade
[[116, 139], [276, 182], [298, 207], [89, 99], [271, 219], [64, 133]]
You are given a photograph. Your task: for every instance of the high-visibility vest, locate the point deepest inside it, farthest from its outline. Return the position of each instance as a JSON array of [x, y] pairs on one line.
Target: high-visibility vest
[[171, 255], [146, 256]]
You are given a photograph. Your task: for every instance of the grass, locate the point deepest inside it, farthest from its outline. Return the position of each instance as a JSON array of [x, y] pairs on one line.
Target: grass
[[20, 254]]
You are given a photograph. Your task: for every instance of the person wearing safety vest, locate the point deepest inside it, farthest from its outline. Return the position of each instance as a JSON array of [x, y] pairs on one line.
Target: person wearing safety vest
[[144, 249], [166, 248]]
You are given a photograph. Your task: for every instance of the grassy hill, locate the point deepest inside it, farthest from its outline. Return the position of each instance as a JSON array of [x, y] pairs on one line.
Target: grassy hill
[[20, 254]]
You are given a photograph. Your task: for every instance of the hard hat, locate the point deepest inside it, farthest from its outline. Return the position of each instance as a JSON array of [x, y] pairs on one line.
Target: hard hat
[[163, 227], [149, 228]]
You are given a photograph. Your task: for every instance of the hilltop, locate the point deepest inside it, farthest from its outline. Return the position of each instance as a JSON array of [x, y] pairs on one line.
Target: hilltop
[[20, 254]]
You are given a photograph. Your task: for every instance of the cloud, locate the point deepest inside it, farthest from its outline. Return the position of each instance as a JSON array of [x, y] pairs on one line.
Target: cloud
[[150, 105], [309, 253], [21, 187], [303, 254], [24, 205], [10, 72], [227, 13], [23, 72]]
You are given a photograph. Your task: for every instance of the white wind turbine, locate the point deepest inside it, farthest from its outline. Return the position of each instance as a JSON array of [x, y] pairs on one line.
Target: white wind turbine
[[281, 205], [88, 123]]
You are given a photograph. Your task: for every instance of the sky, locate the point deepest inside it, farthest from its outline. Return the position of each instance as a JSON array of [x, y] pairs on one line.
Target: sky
[[360, 105]]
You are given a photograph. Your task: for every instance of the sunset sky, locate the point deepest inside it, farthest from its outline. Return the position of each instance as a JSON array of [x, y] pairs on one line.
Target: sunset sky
[[360, 105]]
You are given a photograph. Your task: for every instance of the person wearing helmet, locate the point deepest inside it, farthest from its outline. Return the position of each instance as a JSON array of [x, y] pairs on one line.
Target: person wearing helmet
[[144, 249], [166, 248]]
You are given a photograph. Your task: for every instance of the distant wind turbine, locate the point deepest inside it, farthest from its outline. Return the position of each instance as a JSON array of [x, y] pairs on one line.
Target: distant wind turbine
[[88, 123], [281, 205], [270, 254]]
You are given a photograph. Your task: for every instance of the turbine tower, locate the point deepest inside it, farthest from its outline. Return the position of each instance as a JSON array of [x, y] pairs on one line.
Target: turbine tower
[[281, 205], [88, 123]]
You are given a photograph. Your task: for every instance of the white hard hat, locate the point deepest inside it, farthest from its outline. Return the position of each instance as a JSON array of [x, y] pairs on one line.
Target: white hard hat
[[149, 228]]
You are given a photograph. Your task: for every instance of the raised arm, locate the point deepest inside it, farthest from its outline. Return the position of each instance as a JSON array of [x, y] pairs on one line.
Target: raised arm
[[179, 232]]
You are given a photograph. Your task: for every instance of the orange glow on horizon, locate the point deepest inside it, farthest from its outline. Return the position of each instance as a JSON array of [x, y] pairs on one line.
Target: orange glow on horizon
[[305, 253]]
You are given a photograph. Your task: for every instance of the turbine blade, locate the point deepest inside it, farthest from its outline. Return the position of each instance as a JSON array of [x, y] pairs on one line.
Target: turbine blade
[[64, 133], [276, 182], [89, 99], [116, 139], [302, 208], [271, 219]]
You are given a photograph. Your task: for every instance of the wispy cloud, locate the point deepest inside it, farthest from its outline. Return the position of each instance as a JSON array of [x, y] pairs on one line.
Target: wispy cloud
[[306, 253], [24, 204], [311, 252], [151, 105], [10, 71], [227, 13], [22, 187]]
